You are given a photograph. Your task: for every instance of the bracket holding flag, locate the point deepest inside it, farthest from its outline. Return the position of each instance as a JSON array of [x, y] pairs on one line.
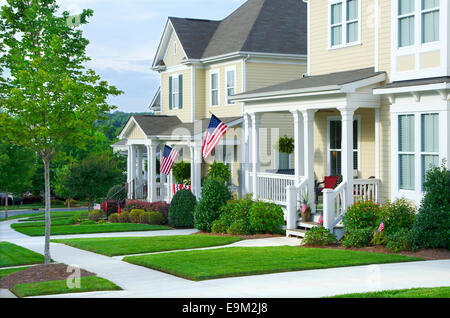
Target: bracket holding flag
[[168, 159], [213, 135]]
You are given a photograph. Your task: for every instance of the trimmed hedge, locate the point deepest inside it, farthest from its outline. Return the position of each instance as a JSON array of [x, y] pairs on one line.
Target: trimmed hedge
[[161, 207], [181, 211], [266, 217]]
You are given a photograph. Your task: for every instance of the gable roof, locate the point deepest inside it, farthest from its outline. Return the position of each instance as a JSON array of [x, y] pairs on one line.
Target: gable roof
[[325, 82], [259, 26]]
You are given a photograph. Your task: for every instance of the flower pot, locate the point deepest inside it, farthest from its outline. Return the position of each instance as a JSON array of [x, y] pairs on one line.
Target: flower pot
[[306, 216]]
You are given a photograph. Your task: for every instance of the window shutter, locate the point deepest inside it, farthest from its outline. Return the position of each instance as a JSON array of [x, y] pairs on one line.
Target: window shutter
[[170, 92], [180, 87]]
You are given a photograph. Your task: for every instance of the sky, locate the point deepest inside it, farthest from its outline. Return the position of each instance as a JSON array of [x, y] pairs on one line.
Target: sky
[[124, 36]]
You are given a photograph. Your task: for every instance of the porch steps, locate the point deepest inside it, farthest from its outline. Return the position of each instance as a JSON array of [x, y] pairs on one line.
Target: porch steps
[[302, 228], [296, 233]]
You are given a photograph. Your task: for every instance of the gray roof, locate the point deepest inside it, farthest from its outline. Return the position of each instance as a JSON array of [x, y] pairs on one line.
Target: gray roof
[[159, 125], [156, 101], [262, 26], [422, 81], [315, 83]]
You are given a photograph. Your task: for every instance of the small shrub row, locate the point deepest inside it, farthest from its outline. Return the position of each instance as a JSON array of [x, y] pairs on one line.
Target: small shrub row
[[139, 217], [161, 207]]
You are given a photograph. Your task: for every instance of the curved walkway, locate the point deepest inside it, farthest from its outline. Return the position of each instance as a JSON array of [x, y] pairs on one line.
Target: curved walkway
[[139, 281]]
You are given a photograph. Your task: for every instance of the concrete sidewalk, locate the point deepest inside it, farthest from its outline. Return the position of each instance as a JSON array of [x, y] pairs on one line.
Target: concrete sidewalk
[[143, 282]]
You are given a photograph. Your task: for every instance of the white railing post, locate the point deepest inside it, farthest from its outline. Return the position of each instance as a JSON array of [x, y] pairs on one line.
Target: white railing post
[[328, 209], [291, 198]]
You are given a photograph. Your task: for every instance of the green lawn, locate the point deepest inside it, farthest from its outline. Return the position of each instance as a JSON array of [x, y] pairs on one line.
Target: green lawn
[[244, 261], [13, 255], [6, 272], [140, 245], [87, 284], [87, 229], [56, 216], [438, 292], [31, 206]]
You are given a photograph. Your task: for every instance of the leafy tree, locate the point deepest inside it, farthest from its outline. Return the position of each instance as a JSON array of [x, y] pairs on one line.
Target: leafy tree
[[182, 172], [16, 169], [62, 189], [49, 98], [220, 171], [93, 177]]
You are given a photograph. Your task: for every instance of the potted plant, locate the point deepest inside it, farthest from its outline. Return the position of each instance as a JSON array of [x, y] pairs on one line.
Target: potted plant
[[305, 209], [286, 145]]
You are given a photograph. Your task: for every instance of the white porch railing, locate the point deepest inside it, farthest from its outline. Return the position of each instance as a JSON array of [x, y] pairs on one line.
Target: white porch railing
[[272, 186], [366, 189]]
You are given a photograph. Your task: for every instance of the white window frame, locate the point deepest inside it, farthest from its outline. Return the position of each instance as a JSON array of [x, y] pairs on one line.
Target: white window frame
[[422, 25], [406, 15], [211, 73], [175, 105], [400, 153], [229, 69], [344, 23], [358, 150], [424, 153]]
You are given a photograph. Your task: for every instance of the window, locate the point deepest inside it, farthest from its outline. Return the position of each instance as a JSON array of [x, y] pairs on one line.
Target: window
[[231, 84], [406, 150], [430, 142], [423, 12], [215, 89], [174, 48], [344, 22], [335, 146], [176, 92], [430, 21]]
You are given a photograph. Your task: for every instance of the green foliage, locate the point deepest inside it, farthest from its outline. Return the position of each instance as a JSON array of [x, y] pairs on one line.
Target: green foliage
[[124, 217], [400, 241], [358, 237], [379, 238], [220, 171], [136, 216], [96, 215], [215, 194], [266, 217], [181, 211], [235, 211], [182, 172], [319, 236], [154, 218], [117, 192], [432, 225], [361, 215], [398, 215], [286, 145], [76, 220], [114, 218]]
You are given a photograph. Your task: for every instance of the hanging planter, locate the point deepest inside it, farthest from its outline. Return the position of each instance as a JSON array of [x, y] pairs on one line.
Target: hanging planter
[[286, 145]]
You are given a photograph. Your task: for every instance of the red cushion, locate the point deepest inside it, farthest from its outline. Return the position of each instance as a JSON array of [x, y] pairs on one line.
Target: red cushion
[[330, 182]]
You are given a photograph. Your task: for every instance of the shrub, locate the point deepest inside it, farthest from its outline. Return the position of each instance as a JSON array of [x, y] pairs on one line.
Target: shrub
[[286, 145], [220, 171], [88, 222], [379, 238], [96, 215], [162, 207], [112, 206], [398, 215], [240, 227], [234, 210], [76, 220], [399, 241], [319, 236], [114, 218], [215, 194], [156, 218], [432, 225], [144, 218], [266, 217], [73, 202], [136, 216], [117, 193], [362, 215], [181, 211], [182, 172], [358, 238], [124, 217]]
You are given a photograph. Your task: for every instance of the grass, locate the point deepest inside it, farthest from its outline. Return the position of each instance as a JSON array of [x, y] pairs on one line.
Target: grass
[[13, 255], [55, 216], [87, 228], [6, 272], [31, 206], [140, 245], [438, 292], [87, 284], [245, 261]]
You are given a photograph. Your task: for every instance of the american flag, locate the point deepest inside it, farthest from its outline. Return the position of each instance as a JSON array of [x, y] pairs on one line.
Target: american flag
[[215, 131], [118, 207], [168, 159], [381, 228], [320, 220], [178, 187], [97, 206]]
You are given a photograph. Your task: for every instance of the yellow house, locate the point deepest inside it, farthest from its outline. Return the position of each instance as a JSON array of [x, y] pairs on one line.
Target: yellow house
[[371, 115], [202, 64]]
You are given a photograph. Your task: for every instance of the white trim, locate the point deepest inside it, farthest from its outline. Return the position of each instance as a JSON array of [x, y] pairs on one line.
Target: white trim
[[177, 75], [309, 36], [193, 92], [407, 89], [243, 54], [164, 43], [127, 126], [377, 143], [210, 74], [227, 97], [344, 24], [377, 34]]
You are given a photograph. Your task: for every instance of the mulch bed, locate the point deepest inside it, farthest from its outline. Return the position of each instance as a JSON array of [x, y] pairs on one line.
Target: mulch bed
[[245, 237], [427, 254], [40, 273]]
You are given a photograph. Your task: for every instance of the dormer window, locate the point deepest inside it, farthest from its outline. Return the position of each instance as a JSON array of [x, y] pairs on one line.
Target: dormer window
[[344, 23]]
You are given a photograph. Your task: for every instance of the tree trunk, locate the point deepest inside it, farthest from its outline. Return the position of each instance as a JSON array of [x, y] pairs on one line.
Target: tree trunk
[[6, 204], [89, 206], [68, 203], [47, 211]]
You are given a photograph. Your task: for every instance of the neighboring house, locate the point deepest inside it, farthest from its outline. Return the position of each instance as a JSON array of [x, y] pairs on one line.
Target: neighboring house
[[373, 109], [203, 63]]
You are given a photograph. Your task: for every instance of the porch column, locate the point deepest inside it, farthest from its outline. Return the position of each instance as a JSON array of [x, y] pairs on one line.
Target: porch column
[[245, 155], [308, 123], [151, 173], [192, 160], [298, 147], [129, 172], [347, 152], [133, 172], [139, 172], [196, 180], [256, 122], [162, 179]]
